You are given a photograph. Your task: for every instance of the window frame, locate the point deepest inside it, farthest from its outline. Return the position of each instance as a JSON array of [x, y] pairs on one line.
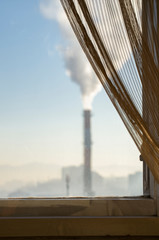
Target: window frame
[[82, 217]]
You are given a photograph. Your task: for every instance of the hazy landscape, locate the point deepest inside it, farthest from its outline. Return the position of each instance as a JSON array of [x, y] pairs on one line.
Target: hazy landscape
[[43, 180]]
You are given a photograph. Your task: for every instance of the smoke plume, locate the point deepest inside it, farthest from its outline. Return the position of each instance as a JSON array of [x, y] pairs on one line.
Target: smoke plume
[[77, 66]]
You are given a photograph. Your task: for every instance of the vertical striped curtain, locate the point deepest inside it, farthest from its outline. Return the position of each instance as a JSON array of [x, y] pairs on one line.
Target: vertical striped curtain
[[121, 40]]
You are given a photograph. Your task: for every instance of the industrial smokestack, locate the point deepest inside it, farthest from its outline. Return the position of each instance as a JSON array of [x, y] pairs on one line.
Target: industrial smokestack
[[87, 153]]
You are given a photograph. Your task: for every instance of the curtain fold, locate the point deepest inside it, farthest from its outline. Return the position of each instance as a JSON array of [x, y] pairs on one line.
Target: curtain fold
[[121, 40]]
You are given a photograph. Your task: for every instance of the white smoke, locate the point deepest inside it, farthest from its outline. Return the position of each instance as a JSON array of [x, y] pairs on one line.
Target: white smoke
[[77, 66]]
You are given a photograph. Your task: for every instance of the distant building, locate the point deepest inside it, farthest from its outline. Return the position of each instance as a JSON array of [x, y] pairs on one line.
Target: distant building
[[110, 186], [135, 184]]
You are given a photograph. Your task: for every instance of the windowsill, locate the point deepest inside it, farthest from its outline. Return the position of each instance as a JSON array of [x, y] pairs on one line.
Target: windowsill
[[99, 206], [98, 216], [79, 226]]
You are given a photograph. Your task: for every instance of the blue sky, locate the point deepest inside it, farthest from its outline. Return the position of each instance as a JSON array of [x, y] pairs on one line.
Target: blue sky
[[40, 107]]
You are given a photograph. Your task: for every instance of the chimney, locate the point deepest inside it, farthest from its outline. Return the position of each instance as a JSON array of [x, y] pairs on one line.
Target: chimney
[[87, 154]]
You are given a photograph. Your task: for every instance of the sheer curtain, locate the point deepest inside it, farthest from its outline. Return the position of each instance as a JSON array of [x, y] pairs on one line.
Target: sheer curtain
[[121, 40]]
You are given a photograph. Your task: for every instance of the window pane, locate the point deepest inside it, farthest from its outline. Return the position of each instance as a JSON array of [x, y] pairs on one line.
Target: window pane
[[42, 134]]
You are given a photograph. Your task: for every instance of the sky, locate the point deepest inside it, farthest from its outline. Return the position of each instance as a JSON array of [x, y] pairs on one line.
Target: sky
[[41, 103]]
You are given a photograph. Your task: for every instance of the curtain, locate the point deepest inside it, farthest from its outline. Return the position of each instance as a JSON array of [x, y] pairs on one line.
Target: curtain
[[121, 40]]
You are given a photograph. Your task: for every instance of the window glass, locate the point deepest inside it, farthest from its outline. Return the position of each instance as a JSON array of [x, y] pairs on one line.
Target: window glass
[[42, 109]]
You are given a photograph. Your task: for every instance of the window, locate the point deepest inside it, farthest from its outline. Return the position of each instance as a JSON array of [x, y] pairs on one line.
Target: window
[[92, 216], [41, 123]]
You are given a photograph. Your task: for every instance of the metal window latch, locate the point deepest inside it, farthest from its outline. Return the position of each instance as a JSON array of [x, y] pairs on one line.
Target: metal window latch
[[141, 158]]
